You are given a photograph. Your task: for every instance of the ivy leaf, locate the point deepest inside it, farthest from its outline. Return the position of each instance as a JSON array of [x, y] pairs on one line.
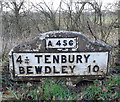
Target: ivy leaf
[[53, 97], [47, 98]]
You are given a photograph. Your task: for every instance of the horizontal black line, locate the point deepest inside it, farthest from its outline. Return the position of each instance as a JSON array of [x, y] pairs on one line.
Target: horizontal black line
[[57, 51], [60, 37], [62, 76]]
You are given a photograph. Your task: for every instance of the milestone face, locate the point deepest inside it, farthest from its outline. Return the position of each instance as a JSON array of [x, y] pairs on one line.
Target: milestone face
[[60, 54]]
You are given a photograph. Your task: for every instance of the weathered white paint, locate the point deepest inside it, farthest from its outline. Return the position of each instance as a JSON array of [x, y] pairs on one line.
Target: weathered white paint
[[80, 68]]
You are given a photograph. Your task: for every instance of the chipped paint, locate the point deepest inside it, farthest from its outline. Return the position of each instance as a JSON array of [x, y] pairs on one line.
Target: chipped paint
[[84, 44], [64, 62]]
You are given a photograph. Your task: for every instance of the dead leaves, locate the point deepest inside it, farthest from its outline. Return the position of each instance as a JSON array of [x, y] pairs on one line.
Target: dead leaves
[[7, 93], [104, 89], [113, 95]]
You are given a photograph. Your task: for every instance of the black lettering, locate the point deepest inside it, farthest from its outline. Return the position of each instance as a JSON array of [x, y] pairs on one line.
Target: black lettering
[[38, 57], [71, 42], [58, 43], [72, 68], [46, 59], [64, 42], [79, 57], [89, 68], [64, 69], [38, 69], [54, 70], [47, 70], [49, 43], [71, 59], [96, 68], [28, 70], [86, 58], [19, 59], [63, 59], [21, 70], [55, 59]]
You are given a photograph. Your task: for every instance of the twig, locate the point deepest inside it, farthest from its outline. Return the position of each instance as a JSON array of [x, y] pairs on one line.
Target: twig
[[91, 30]]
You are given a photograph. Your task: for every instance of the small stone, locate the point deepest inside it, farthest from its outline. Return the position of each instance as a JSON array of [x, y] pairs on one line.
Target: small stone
[[29, 84], [70, 84]]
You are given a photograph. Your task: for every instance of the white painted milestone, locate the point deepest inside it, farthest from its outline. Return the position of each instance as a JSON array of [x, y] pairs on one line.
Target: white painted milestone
[[59, 63]]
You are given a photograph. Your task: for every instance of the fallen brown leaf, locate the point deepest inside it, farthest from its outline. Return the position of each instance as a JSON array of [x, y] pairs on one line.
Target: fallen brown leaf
[[7, 93], [113, 95], [113, 82], [104, 89]]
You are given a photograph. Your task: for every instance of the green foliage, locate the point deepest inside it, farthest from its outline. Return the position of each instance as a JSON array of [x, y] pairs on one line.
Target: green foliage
[[46, 90], [108, 90], [52, 91], [12, 93]]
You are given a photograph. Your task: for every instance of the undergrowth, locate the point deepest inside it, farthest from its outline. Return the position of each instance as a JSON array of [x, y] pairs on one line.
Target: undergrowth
[[46, 90], [52, 91], [108, 90]]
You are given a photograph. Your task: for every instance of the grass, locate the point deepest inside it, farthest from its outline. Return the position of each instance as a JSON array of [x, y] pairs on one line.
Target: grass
[[108, 90], [46, 90], [52, 91]]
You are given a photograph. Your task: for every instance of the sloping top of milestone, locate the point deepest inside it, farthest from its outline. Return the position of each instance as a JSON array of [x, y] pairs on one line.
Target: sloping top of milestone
[[59, 53], [84, 43]]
